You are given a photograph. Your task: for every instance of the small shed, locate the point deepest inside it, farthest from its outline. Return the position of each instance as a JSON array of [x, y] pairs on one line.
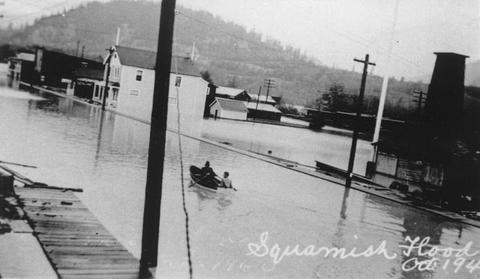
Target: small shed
[[263, 111], [230, 109]]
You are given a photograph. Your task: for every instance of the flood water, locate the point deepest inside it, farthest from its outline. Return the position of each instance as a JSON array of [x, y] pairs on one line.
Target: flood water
[[76, 145]]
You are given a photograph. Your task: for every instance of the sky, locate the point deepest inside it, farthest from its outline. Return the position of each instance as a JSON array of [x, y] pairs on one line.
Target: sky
[[337, 31]]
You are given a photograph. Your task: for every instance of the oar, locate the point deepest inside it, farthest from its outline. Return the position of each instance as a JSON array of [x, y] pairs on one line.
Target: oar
[[17, 164]]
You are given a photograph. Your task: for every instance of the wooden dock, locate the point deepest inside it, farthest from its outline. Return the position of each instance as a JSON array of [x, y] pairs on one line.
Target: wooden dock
[[75, 242]]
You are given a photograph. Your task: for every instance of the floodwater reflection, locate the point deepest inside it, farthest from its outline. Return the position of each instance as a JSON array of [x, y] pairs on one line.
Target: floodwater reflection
[[75, 145]]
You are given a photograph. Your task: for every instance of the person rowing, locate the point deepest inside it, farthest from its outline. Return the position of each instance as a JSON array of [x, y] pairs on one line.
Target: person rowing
[[207, 172]]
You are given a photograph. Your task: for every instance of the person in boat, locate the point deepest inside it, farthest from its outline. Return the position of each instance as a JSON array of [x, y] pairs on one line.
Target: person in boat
[[207, 172], [226, 182]]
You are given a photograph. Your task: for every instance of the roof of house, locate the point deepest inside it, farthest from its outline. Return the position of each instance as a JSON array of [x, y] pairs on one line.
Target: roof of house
[[82, 72], [136, 57], [263, 98], [229, 91], [232, 105], [146, 59], [263, 107], [26, 56], [97, 60]]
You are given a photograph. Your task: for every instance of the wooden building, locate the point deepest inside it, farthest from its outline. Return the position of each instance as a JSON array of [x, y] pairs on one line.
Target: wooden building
[[229, 109], [20, 69], [56, 69], [132, 76], [263, 111]]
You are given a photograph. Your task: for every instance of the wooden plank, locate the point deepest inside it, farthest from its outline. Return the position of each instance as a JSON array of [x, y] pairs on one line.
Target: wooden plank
[[76, 243]]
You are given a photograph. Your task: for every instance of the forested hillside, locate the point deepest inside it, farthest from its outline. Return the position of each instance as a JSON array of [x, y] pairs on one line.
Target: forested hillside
[[231, 54]]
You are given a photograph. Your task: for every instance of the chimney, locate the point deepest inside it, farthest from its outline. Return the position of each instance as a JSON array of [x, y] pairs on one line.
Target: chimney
[[444, 104]]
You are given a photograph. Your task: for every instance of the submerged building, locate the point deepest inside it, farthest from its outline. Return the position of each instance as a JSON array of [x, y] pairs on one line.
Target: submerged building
[[432, 155], [131, 85]]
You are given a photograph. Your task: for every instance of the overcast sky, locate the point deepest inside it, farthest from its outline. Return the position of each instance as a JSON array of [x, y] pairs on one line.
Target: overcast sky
[[336, 31]]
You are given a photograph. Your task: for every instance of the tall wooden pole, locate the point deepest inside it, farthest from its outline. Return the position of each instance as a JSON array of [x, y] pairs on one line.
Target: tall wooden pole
[[353, 149], [386, 77], [105, 90], [156, 152], [117, 38], [269, 83]]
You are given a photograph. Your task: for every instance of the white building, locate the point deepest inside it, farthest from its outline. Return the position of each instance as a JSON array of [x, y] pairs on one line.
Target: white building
[[230, 109], [132, 78], [228, 92]]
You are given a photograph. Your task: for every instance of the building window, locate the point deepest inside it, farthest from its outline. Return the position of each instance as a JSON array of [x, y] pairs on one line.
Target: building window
[[139, 75], [134, 92], [115, 94], [116, 71], [178, 81]]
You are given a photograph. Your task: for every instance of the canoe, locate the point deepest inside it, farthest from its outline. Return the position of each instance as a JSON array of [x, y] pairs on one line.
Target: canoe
[[199, 181]]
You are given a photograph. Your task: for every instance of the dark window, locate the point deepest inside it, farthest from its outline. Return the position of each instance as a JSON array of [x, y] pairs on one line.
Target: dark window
[[139, 75], [178, 81]]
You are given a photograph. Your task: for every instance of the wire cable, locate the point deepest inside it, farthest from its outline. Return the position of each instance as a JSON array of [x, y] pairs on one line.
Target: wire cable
[[182, 179]]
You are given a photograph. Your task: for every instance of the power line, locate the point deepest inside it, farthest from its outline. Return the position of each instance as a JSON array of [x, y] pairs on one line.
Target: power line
[[351, 37], [24, 16]]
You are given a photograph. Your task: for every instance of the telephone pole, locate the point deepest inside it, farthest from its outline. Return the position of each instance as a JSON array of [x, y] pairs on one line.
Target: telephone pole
[[117, 38], [258, 97], [383, 92], [418, 95], [269, 83], [353, 149], [1, 4], [158, 129], [105, 90], [78, 48]]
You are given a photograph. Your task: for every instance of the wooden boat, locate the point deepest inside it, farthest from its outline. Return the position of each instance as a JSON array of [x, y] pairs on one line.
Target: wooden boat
[[201, 182]]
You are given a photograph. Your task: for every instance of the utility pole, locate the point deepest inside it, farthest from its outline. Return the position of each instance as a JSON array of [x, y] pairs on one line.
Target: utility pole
[[366, 62], [383, 93], [269, 83], [418, 94], [258, 97], [105, 90], [1, 4], [158, 128], [258, 100], [117, 38], [83, 51], [78, 48]]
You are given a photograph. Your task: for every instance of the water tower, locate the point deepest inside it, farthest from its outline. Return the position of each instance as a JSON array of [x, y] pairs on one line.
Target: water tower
[[444, 105]]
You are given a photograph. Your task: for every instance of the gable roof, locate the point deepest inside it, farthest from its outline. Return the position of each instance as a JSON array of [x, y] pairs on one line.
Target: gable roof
[[262, 107], [83, 72], [146, 59], [229, 91], [25, 56], [136, 57], [232, 105], [263, 98]]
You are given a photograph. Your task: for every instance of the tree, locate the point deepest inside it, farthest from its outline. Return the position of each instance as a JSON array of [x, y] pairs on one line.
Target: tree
[[232, 82], [206, 76]]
